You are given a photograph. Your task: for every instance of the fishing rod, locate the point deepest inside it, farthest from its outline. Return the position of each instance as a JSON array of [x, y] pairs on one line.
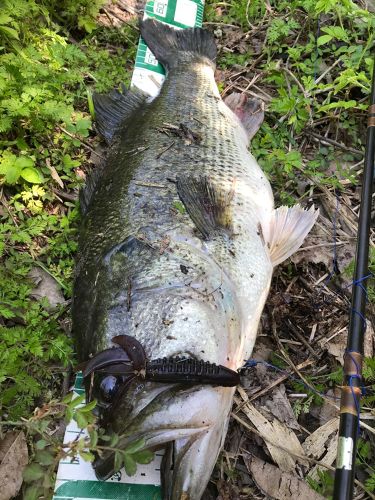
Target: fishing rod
[[351, 390]]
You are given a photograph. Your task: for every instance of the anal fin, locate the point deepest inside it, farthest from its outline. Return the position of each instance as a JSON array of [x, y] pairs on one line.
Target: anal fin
[[208, 205], [286, 231]]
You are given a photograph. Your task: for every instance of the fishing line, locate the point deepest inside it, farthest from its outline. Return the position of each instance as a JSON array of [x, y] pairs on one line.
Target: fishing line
[[251, 363]]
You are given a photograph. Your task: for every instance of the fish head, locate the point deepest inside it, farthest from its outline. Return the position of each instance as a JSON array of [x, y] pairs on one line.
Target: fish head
[[191, 422]]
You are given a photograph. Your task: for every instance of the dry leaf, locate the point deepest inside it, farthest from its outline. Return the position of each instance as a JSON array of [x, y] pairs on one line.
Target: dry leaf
[[46, 287], [327, 411], [369, 339], [273, 432], [13, 459], [227, 491], [315, 444], [337, 346], [280, 408], [276, 483], [322, 445], [55, 176], [328, 458]]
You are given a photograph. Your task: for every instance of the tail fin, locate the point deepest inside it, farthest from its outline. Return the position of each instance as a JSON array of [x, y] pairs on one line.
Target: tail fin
[[287, 230], [170, 46]]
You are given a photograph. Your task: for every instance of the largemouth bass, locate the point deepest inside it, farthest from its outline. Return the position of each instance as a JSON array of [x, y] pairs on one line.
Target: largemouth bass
[[178, 243]]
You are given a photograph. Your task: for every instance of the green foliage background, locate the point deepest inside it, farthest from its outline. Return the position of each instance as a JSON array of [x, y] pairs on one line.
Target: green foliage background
[[45, 77]]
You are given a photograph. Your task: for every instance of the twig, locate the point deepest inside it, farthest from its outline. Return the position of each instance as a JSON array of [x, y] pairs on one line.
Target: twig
[[149, 184], [331, 142], [66, 382], [302, 339], [327, 71], [291, 364], [323, 245], [66, 196], [81, 140], [279, 380], [166, 149], [293, 76]]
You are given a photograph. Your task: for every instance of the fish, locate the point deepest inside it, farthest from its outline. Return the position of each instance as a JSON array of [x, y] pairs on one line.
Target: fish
[[178, 242]]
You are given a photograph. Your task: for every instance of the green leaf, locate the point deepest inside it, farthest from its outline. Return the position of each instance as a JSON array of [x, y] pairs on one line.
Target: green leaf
[[143, 457], [5, 18], [179, 207], [11, 32], [130, 465], [339, 104], [24, 162], [81, 445], [114, 440], [323, 39], [88, 24], [41, 444], [82, 126], [32, 493], [9, 169], [87, 456], [67, 398], [68, 415], [105, 438], [336, 32], [90, 406], [31, 175], [135, 446], [90, 103], [119, 460], [81, 420], [44, 457], [77, 401], [33, 472], [93, 438]]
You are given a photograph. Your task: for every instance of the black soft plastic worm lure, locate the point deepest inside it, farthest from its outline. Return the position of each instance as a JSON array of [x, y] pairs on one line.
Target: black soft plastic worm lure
[[130, 361]]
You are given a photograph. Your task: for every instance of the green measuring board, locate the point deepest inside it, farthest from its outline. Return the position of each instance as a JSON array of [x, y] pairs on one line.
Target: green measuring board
[[76, 479], [148, 74]]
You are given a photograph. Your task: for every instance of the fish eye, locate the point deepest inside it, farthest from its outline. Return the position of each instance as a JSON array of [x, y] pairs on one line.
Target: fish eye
[[108, 388]]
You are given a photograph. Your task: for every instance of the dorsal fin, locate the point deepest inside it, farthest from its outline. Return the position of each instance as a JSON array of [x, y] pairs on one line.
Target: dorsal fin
[[112, 109], [86, 192]]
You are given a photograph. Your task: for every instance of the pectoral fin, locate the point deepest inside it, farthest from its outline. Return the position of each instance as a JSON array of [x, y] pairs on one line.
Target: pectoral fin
[[208, 205], [286, 231], [249, 111]]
